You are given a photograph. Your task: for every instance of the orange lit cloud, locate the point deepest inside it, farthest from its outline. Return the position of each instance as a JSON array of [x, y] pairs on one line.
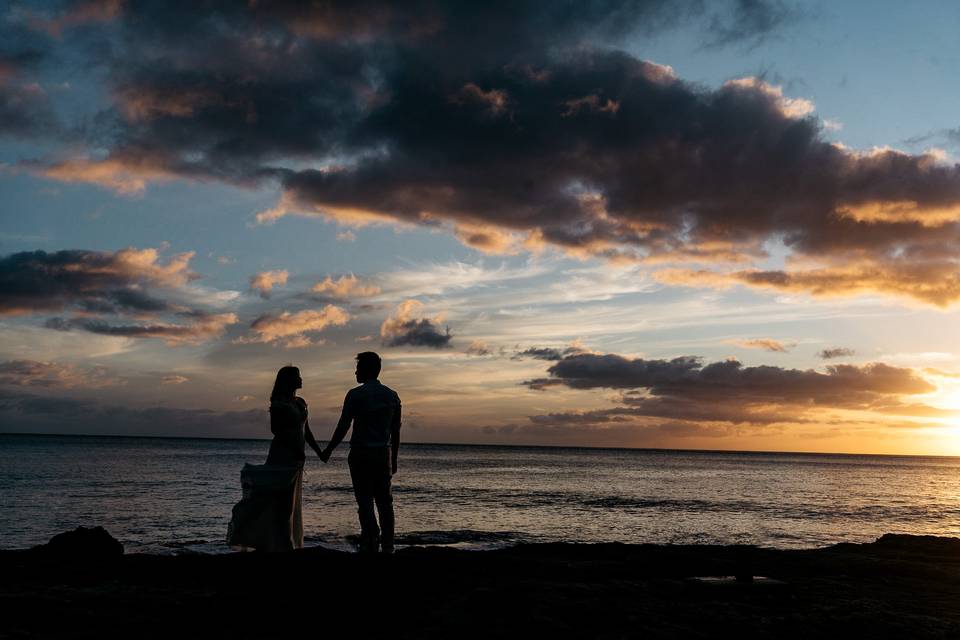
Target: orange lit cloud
[[494, 101], [348, 287], [767, 344], [934, 282], [291, 328], [265, 281], [128, 176]]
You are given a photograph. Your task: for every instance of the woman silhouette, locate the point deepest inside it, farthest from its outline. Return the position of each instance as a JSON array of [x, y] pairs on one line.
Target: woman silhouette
[[270, 515]]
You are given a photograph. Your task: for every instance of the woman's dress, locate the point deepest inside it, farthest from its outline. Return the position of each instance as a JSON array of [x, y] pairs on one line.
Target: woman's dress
[[269, 517]]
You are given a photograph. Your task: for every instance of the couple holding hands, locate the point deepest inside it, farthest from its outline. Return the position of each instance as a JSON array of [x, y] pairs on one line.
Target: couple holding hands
[[269, 517]]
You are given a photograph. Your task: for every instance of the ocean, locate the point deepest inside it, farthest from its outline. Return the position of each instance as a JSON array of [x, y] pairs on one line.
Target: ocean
[[165, 495]]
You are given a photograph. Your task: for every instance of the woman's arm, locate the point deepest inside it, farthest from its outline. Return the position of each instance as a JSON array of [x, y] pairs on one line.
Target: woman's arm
[[310, 439]]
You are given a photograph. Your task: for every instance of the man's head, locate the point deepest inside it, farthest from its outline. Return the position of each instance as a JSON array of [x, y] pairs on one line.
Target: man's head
[[368, 366]]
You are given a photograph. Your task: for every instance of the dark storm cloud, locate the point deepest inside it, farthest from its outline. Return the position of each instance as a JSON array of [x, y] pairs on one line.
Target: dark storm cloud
[[54, 414], [497, 118], [37, 281]]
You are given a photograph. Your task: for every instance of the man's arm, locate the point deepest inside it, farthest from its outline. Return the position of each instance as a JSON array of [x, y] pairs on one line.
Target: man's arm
[[346, 417], [395, 439]]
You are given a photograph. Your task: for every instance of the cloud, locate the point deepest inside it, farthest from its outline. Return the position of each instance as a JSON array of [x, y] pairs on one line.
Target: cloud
[[684, 396], [114, 294], [77, 13], [199, 327], [440, 278], [751, 23], [174, 379], [686, 389], [690, 375], [835, 352], [57, 414], [348, 287], [494, 102], [832, 125], [517, 130], [479, 348], [816, 195], [25, 110], [37, 281], [550, 353], [488, 239], [931, 281], [31, 373], [126, 173], [408, 327], [265, 281], [346, 236], [291, 329], [767, 344]]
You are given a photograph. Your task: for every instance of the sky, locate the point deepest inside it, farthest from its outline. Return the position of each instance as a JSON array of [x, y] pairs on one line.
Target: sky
[[623, 223]]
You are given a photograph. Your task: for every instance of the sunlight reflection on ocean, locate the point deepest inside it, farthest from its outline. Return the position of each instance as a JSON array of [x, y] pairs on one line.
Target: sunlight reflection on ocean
[[175, 495]]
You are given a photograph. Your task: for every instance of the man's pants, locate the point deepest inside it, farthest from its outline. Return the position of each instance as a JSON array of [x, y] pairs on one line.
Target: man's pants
[[370, 473]]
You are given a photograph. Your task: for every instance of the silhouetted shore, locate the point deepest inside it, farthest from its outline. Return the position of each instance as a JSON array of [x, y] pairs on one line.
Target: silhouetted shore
[[899, 586]]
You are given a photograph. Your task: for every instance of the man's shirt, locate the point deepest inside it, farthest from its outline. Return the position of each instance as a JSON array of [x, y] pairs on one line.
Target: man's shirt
[[375, 412]]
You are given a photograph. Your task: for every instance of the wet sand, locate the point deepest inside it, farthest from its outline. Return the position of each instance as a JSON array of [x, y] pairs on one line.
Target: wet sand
[[897, 587]]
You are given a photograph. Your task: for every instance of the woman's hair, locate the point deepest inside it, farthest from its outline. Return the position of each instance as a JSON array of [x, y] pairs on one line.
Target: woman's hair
[[286, 381]]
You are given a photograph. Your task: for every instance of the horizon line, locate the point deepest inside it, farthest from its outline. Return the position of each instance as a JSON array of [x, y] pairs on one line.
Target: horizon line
[[513, 446]]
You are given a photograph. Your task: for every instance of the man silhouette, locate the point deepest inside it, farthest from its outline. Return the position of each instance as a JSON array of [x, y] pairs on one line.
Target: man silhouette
[[374, 410]]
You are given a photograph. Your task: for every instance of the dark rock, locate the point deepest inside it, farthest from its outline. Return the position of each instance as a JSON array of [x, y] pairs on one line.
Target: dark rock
[[83, 543]]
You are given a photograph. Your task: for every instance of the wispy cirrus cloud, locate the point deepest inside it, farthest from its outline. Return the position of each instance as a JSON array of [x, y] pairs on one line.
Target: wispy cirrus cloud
[[33, 373], [766, 344]]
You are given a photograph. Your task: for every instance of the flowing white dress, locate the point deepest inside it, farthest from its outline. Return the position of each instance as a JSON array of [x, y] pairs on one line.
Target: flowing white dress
[[269, 517]]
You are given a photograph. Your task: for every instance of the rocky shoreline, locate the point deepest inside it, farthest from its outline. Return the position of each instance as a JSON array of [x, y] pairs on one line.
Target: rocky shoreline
[[899, 586]]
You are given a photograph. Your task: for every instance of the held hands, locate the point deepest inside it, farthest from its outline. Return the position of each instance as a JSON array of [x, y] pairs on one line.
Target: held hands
[[324, 455]]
